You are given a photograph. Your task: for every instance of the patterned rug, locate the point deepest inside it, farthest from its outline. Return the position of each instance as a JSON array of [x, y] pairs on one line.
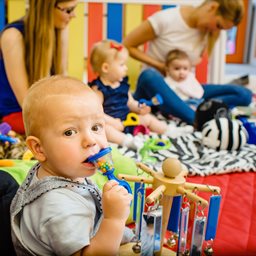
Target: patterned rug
[[199, 159]]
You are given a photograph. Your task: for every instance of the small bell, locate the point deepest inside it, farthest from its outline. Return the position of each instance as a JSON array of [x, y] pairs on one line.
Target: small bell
[[208, 251], [171, 242], [136, 248], [186, 253]]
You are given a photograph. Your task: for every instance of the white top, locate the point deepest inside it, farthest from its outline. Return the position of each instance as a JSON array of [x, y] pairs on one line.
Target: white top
[[173, 33], [57, 212], [188, 88], [61, 221]]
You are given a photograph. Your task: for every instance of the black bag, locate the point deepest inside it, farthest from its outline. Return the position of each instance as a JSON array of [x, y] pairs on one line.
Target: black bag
[[208, 110], [8, 188]]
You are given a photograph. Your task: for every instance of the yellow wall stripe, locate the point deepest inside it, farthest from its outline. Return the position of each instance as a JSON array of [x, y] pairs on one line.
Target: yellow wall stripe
[[76, 43], [16, 9], [133, 18]]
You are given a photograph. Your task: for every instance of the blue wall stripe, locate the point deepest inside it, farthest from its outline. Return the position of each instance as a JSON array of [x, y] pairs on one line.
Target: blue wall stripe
[[115, 22], [168, 6], [2, 14]]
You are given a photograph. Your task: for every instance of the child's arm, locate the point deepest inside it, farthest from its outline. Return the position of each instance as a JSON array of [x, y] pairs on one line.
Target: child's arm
[[115, 122], [99, 93], [134, 106], [116, 207]]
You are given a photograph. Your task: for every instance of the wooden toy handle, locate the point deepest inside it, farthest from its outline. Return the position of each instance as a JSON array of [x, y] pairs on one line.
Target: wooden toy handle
[[135, 178], [155, 194], [192, 196], [146, 169], [201, 187]]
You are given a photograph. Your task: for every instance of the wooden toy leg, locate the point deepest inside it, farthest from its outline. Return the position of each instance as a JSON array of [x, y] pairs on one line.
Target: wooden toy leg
[[167, 205]]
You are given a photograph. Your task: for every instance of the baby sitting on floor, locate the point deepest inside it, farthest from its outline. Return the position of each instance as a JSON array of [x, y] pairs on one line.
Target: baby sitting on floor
[[108, 60], [58, 210]]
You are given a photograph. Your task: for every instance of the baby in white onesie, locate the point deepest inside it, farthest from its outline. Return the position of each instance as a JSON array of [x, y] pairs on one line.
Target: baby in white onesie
[[181, 79]]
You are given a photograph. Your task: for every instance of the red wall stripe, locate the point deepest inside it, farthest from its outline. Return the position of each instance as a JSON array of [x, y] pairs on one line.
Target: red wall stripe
[[202, 70], [148, 10], [95, 30]]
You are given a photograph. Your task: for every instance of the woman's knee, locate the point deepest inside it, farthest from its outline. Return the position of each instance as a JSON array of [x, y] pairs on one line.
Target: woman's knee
[[149, 75], [149, 83], [246, 96]]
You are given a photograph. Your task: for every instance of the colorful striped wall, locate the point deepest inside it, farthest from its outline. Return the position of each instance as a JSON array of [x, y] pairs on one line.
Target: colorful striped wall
[[100, 21], [120, 20]]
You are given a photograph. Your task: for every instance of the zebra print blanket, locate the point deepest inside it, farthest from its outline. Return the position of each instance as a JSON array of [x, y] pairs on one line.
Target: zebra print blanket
[[199, 159]]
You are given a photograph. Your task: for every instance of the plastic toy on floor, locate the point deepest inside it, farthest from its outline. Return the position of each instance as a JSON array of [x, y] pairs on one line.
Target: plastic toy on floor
[[6, 163], [132, 119], [153, 145], [140, 129], [5, 129], [28, 155], [250, 128], [104, 163], [156, 100]]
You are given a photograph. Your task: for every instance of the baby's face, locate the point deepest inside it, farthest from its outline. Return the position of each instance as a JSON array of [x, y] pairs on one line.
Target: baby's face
[[74, 130], [179, 69], [118, 67]]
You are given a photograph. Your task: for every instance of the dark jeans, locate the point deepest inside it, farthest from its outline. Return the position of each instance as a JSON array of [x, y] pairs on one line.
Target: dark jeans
[[152, 82]]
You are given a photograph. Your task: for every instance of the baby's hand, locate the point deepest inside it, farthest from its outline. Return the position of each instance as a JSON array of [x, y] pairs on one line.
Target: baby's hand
[[144, 109], [115, 201]]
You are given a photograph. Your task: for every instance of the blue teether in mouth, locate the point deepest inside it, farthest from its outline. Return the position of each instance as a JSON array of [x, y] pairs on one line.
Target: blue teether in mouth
[[103, 161]]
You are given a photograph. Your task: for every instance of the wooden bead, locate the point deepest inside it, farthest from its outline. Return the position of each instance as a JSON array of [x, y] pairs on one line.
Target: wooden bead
[[171, 167]]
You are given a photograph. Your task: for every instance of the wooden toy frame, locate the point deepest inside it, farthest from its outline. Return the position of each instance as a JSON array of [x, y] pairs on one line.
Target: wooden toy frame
[[167, 184]]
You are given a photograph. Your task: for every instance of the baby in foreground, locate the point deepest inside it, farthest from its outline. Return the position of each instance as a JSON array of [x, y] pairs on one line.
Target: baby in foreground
[[57, 210]]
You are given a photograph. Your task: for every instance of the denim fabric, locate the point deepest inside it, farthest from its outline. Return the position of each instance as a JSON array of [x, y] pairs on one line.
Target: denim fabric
[[152, 82]]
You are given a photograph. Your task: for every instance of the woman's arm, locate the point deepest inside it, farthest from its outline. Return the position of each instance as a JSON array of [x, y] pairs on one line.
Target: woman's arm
[[13, 50], [142, 34], [64, 45]]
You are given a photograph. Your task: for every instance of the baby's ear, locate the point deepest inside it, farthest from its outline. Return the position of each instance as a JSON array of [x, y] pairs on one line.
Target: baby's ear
[[213, 6], [34, 144], [105, 67]]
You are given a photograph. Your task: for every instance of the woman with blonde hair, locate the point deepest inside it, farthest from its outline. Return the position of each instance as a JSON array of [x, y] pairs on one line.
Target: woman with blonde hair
[[32, 48], [192, 30]]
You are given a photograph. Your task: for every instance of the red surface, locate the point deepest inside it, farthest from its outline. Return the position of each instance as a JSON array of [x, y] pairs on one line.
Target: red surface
[[202, 70], [236, 233], [15, 121], [95, 30]]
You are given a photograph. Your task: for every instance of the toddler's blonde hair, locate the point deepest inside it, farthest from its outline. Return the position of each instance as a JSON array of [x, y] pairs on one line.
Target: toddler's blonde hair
[[33, 106], [174, 55], [105, 51]]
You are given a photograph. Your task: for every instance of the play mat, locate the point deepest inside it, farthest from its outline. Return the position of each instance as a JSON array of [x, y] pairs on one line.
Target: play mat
[[199, 159], [233, 171]]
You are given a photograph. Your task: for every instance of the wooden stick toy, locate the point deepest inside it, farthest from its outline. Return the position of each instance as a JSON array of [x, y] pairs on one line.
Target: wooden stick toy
[[167, 184]]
